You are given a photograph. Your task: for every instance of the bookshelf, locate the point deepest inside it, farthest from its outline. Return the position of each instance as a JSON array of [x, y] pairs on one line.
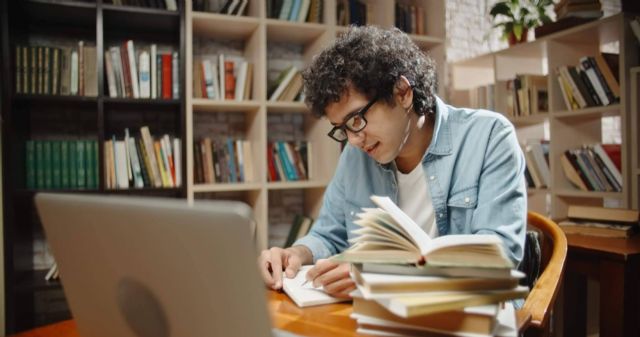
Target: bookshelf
[[30, 300], [565, 129], [265, 42], [635, 139]]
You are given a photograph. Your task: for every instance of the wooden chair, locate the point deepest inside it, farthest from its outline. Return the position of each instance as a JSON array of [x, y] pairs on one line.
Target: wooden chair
[[533, 317]]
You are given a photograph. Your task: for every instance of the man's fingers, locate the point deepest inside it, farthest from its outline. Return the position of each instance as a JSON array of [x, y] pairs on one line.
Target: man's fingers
[[339, 286], [293, 265], [276, 267], [321, 267], [264, 265], [338, 273]]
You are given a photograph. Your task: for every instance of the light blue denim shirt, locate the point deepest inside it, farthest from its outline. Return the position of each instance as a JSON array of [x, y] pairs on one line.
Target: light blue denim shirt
[[475, 172]]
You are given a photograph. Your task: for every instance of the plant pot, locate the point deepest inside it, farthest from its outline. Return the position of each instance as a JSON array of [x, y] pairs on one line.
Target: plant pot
[[513, 40]]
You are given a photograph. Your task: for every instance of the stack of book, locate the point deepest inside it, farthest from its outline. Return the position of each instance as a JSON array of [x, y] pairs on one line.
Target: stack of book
[[222, 77], [288, 161], [222, 160], [409, 283], [61, 164], [66, 70], [142, 161], [578, 8], [594, 167], [141, 72], [295, 10], [600, 221], [591, 83]]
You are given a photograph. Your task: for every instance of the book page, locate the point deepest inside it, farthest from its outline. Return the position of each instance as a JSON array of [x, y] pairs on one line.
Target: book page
[[306, 295], [419, 236]]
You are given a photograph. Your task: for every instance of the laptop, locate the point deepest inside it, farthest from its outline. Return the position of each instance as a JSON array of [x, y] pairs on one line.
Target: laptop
[[151, 267]]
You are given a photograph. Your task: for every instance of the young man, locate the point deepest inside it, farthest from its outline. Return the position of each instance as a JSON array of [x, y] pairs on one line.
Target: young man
[[454, 171]]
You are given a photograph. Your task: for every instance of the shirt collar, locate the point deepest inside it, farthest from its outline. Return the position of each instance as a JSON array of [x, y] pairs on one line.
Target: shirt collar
[[441, 140]]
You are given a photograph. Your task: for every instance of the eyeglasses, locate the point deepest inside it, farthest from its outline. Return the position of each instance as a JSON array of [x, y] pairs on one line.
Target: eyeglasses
[[355, 122]]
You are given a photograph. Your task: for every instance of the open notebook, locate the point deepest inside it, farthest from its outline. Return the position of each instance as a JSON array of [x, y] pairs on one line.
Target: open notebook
[[306, 295]]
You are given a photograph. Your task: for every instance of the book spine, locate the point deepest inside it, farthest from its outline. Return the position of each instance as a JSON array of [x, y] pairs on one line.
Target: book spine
[[175, 85], [81, 68], [64, 164], [40, 164], [48, 164], [81, 165], [166, 76], [153, 71], [145, 75], [73, 170]]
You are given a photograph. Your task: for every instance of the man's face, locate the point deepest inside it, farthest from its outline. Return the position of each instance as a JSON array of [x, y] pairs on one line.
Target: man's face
[[385, 128]]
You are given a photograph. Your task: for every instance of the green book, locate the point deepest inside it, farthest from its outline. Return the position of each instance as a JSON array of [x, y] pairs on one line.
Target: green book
[[56, 165], [91, 164], [30, 165], [81, 165], [47, 164], [64, 164], [73, 169], [39, 145]]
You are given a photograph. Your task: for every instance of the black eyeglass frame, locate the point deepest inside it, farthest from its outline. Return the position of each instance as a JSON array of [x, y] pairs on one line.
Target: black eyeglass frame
[[344, 127]]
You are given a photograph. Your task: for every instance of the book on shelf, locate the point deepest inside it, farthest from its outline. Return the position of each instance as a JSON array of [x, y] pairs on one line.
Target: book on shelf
[[590, 83], [601, 221], [388, 235], [295, 10], [288, 161], [139, 161], [299, 227], [591, 168], [578, 8], [303, 293], [222, 160], [141, 71], [408, 17], [61, 164], [282, 82], [536, 154], [171, 5], [427, 270]]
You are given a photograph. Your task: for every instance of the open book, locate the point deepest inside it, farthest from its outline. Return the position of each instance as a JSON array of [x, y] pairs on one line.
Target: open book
[[388, 235], [305, 295]]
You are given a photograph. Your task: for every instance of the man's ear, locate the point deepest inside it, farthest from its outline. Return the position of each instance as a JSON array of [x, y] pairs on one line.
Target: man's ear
[[403, 92]]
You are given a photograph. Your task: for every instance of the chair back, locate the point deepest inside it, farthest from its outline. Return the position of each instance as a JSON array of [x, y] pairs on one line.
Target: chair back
[[533, 317]]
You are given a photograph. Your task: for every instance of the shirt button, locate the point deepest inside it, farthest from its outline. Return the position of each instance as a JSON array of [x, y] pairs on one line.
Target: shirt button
[[432, 177], [467, 200], [441, 215]]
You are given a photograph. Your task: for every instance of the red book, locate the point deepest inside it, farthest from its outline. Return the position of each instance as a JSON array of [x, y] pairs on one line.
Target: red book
[[273, 175], [166, 76], [613, 150], [229, 81]]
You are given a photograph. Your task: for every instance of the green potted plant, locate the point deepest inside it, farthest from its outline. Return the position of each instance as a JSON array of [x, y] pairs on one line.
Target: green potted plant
[[516, 17]]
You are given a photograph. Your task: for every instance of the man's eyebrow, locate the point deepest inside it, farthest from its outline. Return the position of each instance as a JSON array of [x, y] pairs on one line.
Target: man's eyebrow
[[349, 115]]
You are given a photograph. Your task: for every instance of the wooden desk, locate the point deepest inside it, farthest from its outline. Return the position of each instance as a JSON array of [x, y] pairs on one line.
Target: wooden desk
[[615, 263], [324, 320]]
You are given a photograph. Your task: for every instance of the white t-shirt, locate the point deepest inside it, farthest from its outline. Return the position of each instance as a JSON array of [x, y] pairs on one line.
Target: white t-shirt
[[415, 200]]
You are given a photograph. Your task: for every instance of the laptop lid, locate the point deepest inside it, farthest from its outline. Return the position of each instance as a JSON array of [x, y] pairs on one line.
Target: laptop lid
[[147, 267]]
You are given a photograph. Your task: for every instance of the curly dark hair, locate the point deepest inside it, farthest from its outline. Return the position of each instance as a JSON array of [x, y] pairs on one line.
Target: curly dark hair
[[371, 60]]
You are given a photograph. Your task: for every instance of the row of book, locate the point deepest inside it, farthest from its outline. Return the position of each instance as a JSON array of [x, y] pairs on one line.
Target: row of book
[[222, 160], [295, 10], [527, 95], [537, 173], [413, 285], [61, 164], [222, 77], [591, 83], [354, 12], [410, 18], [288, 161], [287, 87], [141, 73], [229, 7], [594, 167], [142, 161], [161, 4], [600, 221], [46, 70]]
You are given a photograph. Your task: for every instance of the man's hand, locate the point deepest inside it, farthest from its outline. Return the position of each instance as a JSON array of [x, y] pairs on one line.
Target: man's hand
[[272, 262], [333, 277]]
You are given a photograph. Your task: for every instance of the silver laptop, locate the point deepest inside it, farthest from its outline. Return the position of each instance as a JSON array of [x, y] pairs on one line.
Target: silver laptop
[[146, 267]]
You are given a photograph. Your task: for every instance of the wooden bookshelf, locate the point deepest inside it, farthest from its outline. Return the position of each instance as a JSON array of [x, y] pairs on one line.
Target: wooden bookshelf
[[634, 110], [254, 36], [92, 118], [565, 129]]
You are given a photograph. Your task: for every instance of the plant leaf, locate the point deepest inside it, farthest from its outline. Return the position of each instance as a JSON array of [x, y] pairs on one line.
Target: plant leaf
[[501, 8], [517, 30]]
